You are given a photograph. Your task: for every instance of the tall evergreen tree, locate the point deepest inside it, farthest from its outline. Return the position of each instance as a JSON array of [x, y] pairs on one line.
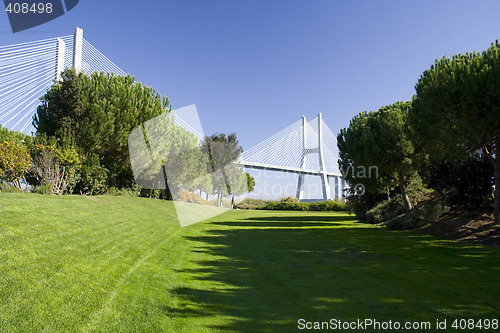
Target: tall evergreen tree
[[99, 112], [222, 150], [379, 139], [457, 109]]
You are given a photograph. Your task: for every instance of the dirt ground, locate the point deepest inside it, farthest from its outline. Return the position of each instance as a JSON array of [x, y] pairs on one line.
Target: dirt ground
[[472, 227]]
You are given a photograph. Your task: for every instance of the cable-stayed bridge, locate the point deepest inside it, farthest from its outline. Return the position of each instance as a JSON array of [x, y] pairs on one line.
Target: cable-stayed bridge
[[303, 148], [28, 70]]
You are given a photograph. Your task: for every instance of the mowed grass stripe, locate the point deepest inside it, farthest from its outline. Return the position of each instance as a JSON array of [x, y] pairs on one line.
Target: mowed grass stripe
[[316, 266], [111, 264], [69, 253]]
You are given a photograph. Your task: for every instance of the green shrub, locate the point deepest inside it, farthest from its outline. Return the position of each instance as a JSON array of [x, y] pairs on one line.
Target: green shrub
[[9, 188], [422, 215], [290, 199], [464, 183], [286, 205], [361, 204], [249, 203], [331, 205], [416, 189], [93, 177], [386, 210], [328, 206], [124, 192], [43, 189], [376, 208]]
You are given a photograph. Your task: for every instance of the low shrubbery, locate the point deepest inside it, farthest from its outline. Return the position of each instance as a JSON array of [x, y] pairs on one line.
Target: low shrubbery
[[324, 206], [393, 214], [291, 203], [425, 213], [286, 205], [360, 205], [386, 210], [124, 192], [250, 203], [464, 183], [8, 188]]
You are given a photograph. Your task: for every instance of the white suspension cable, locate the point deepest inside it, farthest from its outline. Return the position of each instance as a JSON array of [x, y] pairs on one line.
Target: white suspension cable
[[27, 78], [30, 43], [33, 93], [31, 89], [21, 91], [17, 76]]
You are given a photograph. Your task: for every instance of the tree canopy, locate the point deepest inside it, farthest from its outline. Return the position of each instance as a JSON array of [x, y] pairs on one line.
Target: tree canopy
[[99, 112], [227, 178], [456, 111], [378, 139]]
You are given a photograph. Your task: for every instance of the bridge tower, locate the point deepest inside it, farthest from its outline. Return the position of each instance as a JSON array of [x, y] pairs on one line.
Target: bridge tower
[[60, 58], [77, 53], [77, 50], [325, 183], [28, 70]]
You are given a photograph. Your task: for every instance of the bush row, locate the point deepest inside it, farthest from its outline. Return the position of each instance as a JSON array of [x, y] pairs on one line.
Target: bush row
[[322, 206], [249, 203]]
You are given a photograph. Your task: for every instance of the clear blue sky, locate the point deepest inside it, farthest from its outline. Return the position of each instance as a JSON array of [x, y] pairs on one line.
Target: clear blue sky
[[254, 67]]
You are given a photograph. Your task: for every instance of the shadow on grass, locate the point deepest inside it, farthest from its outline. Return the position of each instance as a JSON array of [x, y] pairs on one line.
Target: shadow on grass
[[305, 218], [278, 224], [265, 280]]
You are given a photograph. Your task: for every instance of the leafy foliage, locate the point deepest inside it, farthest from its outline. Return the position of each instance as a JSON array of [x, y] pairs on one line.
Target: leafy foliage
[[55, 165], [330, 205], [99, 112], [385, 210], [14, 157], [465, 183], [227, 178], [124, 192], [13, 136], [92, 178], [388, 209], [166, 158], [456, 112], [14, 162], [425, 213], [361, 204], [250, 182], [379, 139], [250, 203]]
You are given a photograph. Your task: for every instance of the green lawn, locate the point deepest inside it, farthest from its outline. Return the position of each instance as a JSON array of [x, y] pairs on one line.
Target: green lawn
[[116, 264]]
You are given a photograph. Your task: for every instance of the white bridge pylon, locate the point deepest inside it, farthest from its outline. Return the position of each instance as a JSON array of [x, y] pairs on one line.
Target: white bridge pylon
[[28, 70], [292, 150]]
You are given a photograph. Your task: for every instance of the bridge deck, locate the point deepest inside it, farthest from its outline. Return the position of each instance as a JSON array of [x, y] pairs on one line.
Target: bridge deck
[[261, 166]]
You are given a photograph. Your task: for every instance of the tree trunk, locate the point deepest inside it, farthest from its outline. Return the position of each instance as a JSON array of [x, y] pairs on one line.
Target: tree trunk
[[402, 188], [219, 199], [168, 193], [496, 165], [497, 189]]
